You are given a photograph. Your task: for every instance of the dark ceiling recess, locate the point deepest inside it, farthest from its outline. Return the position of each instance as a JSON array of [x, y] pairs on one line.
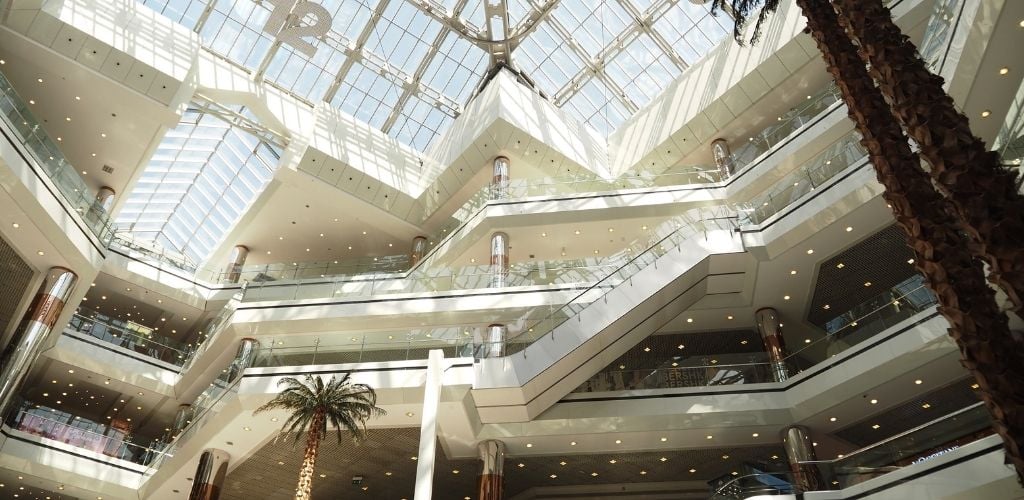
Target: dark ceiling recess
[[880, 259], [385, 464], [912, 413]]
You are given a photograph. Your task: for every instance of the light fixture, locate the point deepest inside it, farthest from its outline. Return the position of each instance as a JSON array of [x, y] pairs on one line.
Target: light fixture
[[618, 441], [594, 474], [553, 476], [680, 346], [876, 426], [572, 443], [792, 272], [613, 461], [986, 113], [409, 413], [874, 401], [246, 429], [810, 251], [918, 382], [975, 386], [577, 231], [71, 371], [755, 435], [521, 465], [1004, 70], [867, 283], [664, 439], [692, 471], [848, 229], [529, 445], [926, 406], [41, 253], [15, 225], [785, 297], [455, 471], [710, 436], [832, 419], [840, 265], [689, 320], [643, 473]]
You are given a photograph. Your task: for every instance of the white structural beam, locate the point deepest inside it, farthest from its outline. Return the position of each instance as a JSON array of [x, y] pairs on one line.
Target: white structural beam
[[428, 426]]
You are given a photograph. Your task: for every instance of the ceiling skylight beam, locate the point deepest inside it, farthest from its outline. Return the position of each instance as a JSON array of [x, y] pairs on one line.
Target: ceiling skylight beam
[[357, 46], [208, 106], [201, 21], [417, 77], [645, 21], [452, 20], [590, 66]]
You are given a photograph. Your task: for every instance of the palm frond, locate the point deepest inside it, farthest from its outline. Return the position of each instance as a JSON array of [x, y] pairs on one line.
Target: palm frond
[[345, 406], [742, 10]]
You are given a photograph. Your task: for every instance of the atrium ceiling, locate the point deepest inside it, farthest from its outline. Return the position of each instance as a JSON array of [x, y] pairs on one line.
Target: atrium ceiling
[[408, 67]]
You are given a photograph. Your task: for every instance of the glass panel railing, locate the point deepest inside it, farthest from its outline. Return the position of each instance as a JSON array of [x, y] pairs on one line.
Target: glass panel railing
[[318, 353], [72, 430], [916, 445], [129, 335], [785, 125], [810, 175], [938, 33], [207, 405], [147, 250], [26, 129], [846, 330]]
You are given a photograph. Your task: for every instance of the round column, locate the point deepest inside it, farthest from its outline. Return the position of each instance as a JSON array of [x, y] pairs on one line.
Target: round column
[[235, 262], [209, 478], [492, 477], [493, 343], [796, 439], [244, 357], [499, 179], [499, 260], [419, 249], [723, 158], [182, 418], [105, 198], [770, 328], [32, 333]]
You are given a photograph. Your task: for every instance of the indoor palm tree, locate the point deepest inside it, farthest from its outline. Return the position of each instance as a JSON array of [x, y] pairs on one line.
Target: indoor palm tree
[[985, 195], [313, 404], [941, 253]]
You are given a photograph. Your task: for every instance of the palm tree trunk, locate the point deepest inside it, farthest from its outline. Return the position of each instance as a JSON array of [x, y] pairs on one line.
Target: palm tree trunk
[[984, 194], [977, 326], [304, 490]]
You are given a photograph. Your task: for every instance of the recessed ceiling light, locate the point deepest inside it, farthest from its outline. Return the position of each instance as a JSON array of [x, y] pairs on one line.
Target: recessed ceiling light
[[41, 253], [409, 413], [618, 441], [680, 346], [1004, 70], [643, 473], [31, 101], [810, 251], [455, 471], [975, 386], [755, 435], [529, 445], [785, 297], [593, 474], [710, 436], [611, 230], [71, 371], [986, 113], [867, 283], [553, 476], [874, 401], [807, 341], [692, 471], [67, 118], [728, 317], [832, 419], [613, 461], [840, 265], [848, 229], [689, 320], [15, 225], [364, 233], [664, 439], [792, 272], [40, 80], [926, 406], [572, 443]]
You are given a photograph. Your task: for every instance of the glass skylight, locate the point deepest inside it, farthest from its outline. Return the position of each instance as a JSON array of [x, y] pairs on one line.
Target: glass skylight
[[202, 177], [399, 65]]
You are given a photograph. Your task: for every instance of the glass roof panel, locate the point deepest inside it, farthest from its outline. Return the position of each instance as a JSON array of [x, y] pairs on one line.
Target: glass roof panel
[[199, 181], [403, 68]]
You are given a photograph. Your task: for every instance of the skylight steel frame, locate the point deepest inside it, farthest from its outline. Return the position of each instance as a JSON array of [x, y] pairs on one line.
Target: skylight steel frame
[[497, 40]]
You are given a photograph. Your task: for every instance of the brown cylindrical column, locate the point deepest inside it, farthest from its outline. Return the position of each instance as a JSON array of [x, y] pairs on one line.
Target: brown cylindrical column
[[419, 249], [492, 477], [209, 478], [493, 343], [499, 260], [723, 158], [500, 178], [182, 418], [235, 262], [796, 439], [243, 358], [770, 327], [105, 198], [32, 333]]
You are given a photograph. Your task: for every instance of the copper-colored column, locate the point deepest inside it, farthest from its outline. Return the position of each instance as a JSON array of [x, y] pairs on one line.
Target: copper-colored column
[[499, 260], [723, 158], [492, 477], [35, 328], [500, 179], [419, 249], [770, 327], [243, 358], [235, 262], [209, 479], [796, 439]]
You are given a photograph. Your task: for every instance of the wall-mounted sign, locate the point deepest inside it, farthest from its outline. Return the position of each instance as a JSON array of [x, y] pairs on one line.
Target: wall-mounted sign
[[291, 21]]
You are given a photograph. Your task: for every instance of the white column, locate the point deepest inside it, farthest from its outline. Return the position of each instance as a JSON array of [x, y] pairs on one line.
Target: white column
[[428, 426]]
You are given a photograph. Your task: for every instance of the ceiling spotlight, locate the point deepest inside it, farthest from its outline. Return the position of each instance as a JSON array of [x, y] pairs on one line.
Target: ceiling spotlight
[[793, 271], [832, 419], [810, 251], [572, 443], [664, 439], [986, 113], [1004, 70], [918, 382], [874, 401], [529, 445], [755, 435], [848, 229], [785, 297], [710, 436]]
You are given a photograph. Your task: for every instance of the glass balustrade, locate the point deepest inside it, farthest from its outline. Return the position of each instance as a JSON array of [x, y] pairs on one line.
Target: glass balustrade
[[917, 445], [846, 330], [358, 350], [803, 113], [72, 430], [24, 128], [129, 335]]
